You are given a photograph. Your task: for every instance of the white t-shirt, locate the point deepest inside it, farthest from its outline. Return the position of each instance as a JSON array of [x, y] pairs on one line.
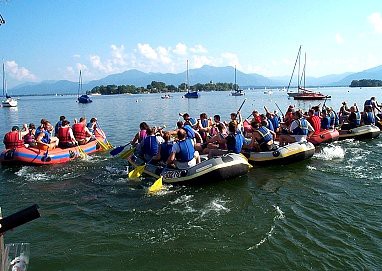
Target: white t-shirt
[[183, 165]]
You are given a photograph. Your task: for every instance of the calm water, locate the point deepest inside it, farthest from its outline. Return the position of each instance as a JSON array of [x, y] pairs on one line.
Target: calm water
[[320, 214]]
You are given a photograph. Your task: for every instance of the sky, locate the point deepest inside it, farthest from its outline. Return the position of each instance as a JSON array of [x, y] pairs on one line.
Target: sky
[[54, 39]]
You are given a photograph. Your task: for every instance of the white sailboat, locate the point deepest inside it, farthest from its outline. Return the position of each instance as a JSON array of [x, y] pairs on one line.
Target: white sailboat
[[7, 101]]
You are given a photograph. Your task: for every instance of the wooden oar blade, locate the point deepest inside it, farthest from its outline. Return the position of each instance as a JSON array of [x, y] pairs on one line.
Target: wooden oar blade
[[117, 150], [136, 172], [156, 186]]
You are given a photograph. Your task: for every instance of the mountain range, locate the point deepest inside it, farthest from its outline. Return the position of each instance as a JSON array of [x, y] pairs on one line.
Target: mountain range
[[202, 75]]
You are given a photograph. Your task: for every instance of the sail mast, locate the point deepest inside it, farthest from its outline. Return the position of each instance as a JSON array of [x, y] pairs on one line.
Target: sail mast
[[3, 80], [235, 80], [187, 78]]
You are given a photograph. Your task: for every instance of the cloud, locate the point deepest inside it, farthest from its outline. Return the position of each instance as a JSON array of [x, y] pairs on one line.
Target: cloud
[[118, 54], [198, 49], [180, 49], [19, 73], [164, 55], [231, 58], [376, 21], [147, 51], [339, 39], [97, 64], [199, 61]]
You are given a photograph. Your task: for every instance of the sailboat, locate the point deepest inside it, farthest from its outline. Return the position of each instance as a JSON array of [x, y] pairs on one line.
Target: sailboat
[[83, 99], [190, 94], [8, 100], [237, 92], [303, 93]]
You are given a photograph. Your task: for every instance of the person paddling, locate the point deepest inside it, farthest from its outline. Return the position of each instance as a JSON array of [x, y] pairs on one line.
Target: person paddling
[[183, 154], [66, 136], [14, 138]]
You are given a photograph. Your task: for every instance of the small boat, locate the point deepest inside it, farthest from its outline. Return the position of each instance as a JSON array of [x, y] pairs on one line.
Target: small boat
[[166, 96], [305, 94], [36, 156], [190, 94], [8, 100], [218, 168], [325, 136], [361, 132], [236, 91], [83, 99], [290, 153]]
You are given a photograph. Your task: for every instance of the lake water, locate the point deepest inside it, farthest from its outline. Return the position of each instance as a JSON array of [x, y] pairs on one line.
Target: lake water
[[321, 214]]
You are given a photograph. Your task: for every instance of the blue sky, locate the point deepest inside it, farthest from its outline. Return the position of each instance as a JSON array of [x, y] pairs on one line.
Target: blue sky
[[53, 39]]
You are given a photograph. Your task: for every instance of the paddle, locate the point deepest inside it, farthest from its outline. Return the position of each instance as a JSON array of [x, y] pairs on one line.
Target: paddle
[[156, 186], [83, 154], [242, 105], [102, 144], [280, 110], [108, 144], [137, 172], [45, 157], [119, 149], [127, 153]]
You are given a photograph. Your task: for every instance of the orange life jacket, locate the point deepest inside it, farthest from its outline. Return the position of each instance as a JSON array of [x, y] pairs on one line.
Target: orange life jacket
[[64, 135], [79, 131]]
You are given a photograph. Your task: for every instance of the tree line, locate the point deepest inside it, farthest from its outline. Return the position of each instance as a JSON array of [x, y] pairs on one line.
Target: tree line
[[160, 87], [366, 83]]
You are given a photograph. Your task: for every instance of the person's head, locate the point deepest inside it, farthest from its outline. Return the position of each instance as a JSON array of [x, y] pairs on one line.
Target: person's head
[[93, 120], [82, 119], [255, 125], [233, 116], [263, 117], [15, 128], [62, 118], [220, 127], [217, 118], [311, 112], [48, 126], [352, 108], [31, 126], [297, 114], [264, 123], [65, 123], [255, 113], [344, 103], [143, 126], [150, 131], [232, 127], [372, 98], [186, 116], [203, 116], [166, 136], [182, 134], [179, 124]]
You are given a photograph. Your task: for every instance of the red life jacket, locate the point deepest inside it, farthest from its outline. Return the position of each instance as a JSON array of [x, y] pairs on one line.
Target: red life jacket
[[64, 135], [79, 131], [13, 140], [315, 121]]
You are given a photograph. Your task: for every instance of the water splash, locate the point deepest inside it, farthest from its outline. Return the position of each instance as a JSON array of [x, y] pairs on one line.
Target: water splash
[[331, 153]]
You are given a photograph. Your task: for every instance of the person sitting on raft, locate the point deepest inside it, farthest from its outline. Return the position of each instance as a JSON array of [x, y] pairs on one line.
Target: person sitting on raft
[[204, 126], [58, 125], [14, 138], [44, 138], [314, 120], [325, 121], [234, 141], [30, 138], [183, 154], [262, 138], [81, 132], [217, 141], [92, 125], [150, 145], [300, 130], [354, 119], [368, 117], [138, 138], [187, 119], [165, 148], [66, 136]]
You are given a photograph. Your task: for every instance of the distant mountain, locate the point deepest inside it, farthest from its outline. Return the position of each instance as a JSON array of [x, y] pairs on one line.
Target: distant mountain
[[202, 75], [373, 73]]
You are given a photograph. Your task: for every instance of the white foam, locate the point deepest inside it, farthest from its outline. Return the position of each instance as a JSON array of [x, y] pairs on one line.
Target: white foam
[[331, 153]]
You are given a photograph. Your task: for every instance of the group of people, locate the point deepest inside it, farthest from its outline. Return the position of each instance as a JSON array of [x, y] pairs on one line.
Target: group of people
[[214, 137], [45, 136]]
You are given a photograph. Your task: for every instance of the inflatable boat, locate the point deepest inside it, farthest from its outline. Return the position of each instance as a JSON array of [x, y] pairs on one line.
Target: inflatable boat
[[325, 136], [290, 153], [209, 170], [35, 156], [361, 132]]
